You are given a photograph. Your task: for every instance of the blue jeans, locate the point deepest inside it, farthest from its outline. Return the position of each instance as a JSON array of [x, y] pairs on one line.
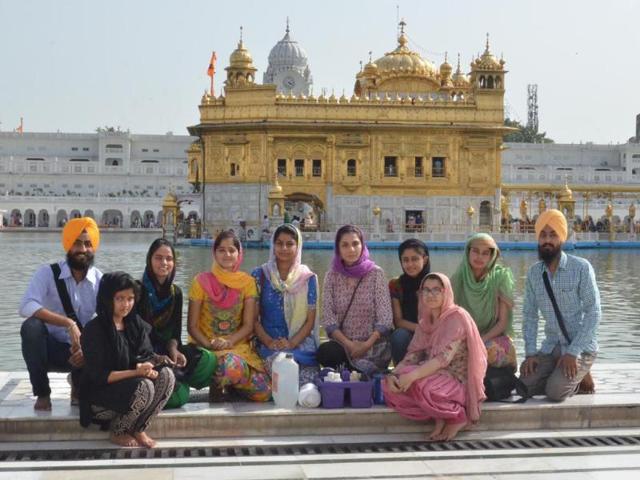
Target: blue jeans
[[400, 339], [43, 353]]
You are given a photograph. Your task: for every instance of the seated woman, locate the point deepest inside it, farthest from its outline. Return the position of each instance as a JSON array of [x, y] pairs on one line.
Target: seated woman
[[119, 379], [222, 306], [484, 288], [441, 377], [161, 307], [288, 291], [356, 308], [414, 259]]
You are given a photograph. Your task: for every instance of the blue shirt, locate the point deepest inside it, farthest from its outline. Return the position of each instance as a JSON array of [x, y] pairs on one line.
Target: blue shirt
[[42, 293], [574, 286], [272, 318]]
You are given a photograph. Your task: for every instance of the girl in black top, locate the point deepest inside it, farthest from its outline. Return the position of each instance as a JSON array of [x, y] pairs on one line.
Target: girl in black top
[[121, 381]]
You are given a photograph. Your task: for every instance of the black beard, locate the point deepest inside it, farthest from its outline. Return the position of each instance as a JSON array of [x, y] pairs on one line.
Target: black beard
[[548, 256], [79, 263]]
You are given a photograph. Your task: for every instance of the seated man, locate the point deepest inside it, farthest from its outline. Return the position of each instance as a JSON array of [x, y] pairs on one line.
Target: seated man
[[59, 301], [563, 288]]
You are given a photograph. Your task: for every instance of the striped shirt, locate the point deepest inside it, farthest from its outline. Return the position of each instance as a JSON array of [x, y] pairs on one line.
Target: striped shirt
[[574, 286]]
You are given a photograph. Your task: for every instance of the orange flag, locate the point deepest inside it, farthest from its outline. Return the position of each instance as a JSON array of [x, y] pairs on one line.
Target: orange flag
[[212, 65]]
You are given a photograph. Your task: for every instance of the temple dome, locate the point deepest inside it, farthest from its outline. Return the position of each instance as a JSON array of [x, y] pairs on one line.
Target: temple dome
[[287, 52], [240, 57]]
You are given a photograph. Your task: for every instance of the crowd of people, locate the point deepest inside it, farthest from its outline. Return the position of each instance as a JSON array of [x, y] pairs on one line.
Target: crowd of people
[[433, 337]]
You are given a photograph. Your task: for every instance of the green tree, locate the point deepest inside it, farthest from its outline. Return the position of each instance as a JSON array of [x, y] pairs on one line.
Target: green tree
[[524, 134]]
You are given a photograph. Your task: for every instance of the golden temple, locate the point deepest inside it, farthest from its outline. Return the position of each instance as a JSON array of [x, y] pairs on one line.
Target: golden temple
[[412, 139]]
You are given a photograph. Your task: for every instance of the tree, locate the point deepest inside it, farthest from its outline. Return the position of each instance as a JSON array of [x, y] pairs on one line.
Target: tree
[[524, 134]]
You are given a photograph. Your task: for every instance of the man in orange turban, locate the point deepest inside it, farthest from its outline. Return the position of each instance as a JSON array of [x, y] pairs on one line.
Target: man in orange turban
[[563, 288], [59, 301]]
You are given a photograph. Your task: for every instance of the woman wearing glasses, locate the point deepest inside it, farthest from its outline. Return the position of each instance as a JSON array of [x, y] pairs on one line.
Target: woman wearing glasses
[[441, 377]]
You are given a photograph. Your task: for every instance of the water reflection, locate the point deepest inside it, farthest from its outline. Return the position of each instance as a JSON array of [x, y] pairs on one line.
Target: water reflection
[[619, 333]]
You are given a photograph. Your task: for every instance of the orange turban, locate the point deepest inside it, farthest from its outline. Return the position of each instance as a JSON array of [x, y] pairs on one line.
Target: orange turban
[[74, 228], [555, 219]]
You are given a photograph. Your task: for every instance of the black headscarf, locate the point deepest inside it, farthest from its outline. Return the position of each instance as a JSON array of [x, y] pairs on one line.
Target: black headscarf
[[410, 285], [110, 284]]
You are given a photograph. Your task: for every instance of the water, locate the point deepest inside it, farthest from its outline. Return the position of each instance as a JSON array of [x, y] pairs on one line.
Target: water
[[21, 253]]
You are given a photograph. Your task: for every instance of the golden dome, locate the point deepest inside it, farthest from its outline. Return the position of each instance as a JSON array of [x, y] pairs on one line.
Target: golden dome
[[446, 66], [370, 68], [488, 61], [170, 200], [403, 60], [460, 79], [240, 57], [566, 193]]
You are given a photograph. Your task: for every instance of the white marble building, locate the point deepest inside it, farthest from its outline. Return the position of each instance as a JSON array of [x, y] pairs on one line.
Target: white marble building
[[580, 165], [118, 178]]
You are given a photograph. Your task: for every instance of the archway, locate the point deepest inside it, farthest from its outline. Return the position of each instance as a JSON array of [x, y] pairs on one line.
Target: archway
[[136, 220], [306, 209], [43, 218], [29, 218], [148, 219], [159, 218], [61, 218], [89, 213], [75, 214], [16, 218], [485, 213], [112, 218]]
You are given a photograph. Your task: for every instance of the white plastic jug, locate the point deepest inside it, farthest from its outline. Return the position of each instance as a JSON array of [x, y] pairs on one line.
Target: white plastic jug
[[284, 381]]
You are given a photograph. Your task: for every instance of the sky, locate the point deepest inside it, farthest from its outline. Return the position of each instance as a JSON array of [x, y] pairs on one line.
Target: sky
[[74, 65]]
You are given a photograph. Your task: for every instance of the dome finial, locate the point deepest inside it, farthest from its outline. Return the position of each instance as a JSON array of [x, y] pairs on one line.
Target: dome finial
[[458, 69], [445, 56], [287, 29], [370, 52], [487, 44], [402, 25]]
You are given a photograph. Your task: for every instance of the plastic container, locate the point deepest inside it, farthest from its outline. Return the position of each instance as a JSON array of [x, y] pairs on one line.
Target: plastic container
[[342, 394], [284, 381], [309, 396]]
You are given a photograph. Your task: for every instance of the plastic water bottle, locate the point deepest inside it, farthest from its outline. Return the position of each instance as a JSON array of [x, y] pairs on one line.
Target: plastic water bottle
[[284, 383]]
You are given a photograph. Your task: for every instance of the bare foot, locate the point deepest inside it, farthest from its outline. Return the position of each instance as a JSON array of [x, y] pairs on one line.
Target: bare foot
[[43, 404], [437, 429], [144, 440], [124, 440], [450, 431], [587, 387]]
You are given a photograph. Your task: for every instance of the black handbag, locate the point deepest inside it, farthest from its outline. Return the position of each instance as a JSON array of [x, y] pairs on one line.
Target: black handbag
[[499, 382]]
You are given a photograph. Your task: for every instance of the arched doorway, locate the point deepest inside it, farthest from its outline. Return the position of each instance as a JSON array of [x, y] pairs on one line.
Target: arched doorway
[[16, 218], [61, 218], [112, 218], [159, 218], [136, 220], [75, 214], [485, 214], [148, 219], [29, 218], [306, 209], [43, 218], [89, 213]]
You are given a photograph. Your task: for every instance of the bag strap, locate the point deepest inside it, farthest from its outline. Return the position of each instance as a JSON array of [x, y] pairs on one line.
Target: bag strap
[[344, 317], [63, 293], [547, 286]]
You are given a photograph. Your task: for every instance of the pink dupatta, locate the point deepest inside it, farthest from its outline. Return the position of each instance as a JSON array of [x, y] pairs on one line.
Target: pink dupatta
[[453, 323]]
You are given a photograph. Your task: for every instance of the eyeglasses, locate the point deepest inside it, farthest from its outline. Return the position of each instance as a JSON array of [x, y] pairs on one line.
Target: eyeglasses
[[435, 291]]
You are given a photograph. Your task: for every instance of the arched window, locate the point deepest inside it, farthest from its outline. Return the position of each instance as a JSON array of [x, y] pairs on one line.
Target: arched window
[[489, 82], [498, 82], [351, 168], [482, 81]]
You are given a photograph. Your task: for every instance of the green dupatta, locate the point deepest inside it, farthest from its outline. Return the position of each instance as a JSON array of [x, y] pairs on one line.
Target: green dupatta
[[480, 298]]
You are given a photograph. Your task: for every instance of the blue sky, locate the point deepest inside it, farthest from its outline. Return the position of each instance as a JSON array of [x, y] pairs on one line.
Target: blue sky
[[73, 65]]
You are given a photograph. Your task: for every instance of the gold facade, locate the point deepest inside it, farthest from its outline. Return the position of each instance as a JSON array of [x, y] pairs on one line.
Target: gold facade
[[409, 130]]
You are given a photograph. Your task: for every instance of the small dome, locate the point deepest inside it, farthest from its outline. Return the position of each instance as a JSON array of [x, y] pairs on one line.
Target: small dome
[[403, 60], [488, 61], [459, 79], [287, 52], [446, 67], [370, 68], [240, 57]]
